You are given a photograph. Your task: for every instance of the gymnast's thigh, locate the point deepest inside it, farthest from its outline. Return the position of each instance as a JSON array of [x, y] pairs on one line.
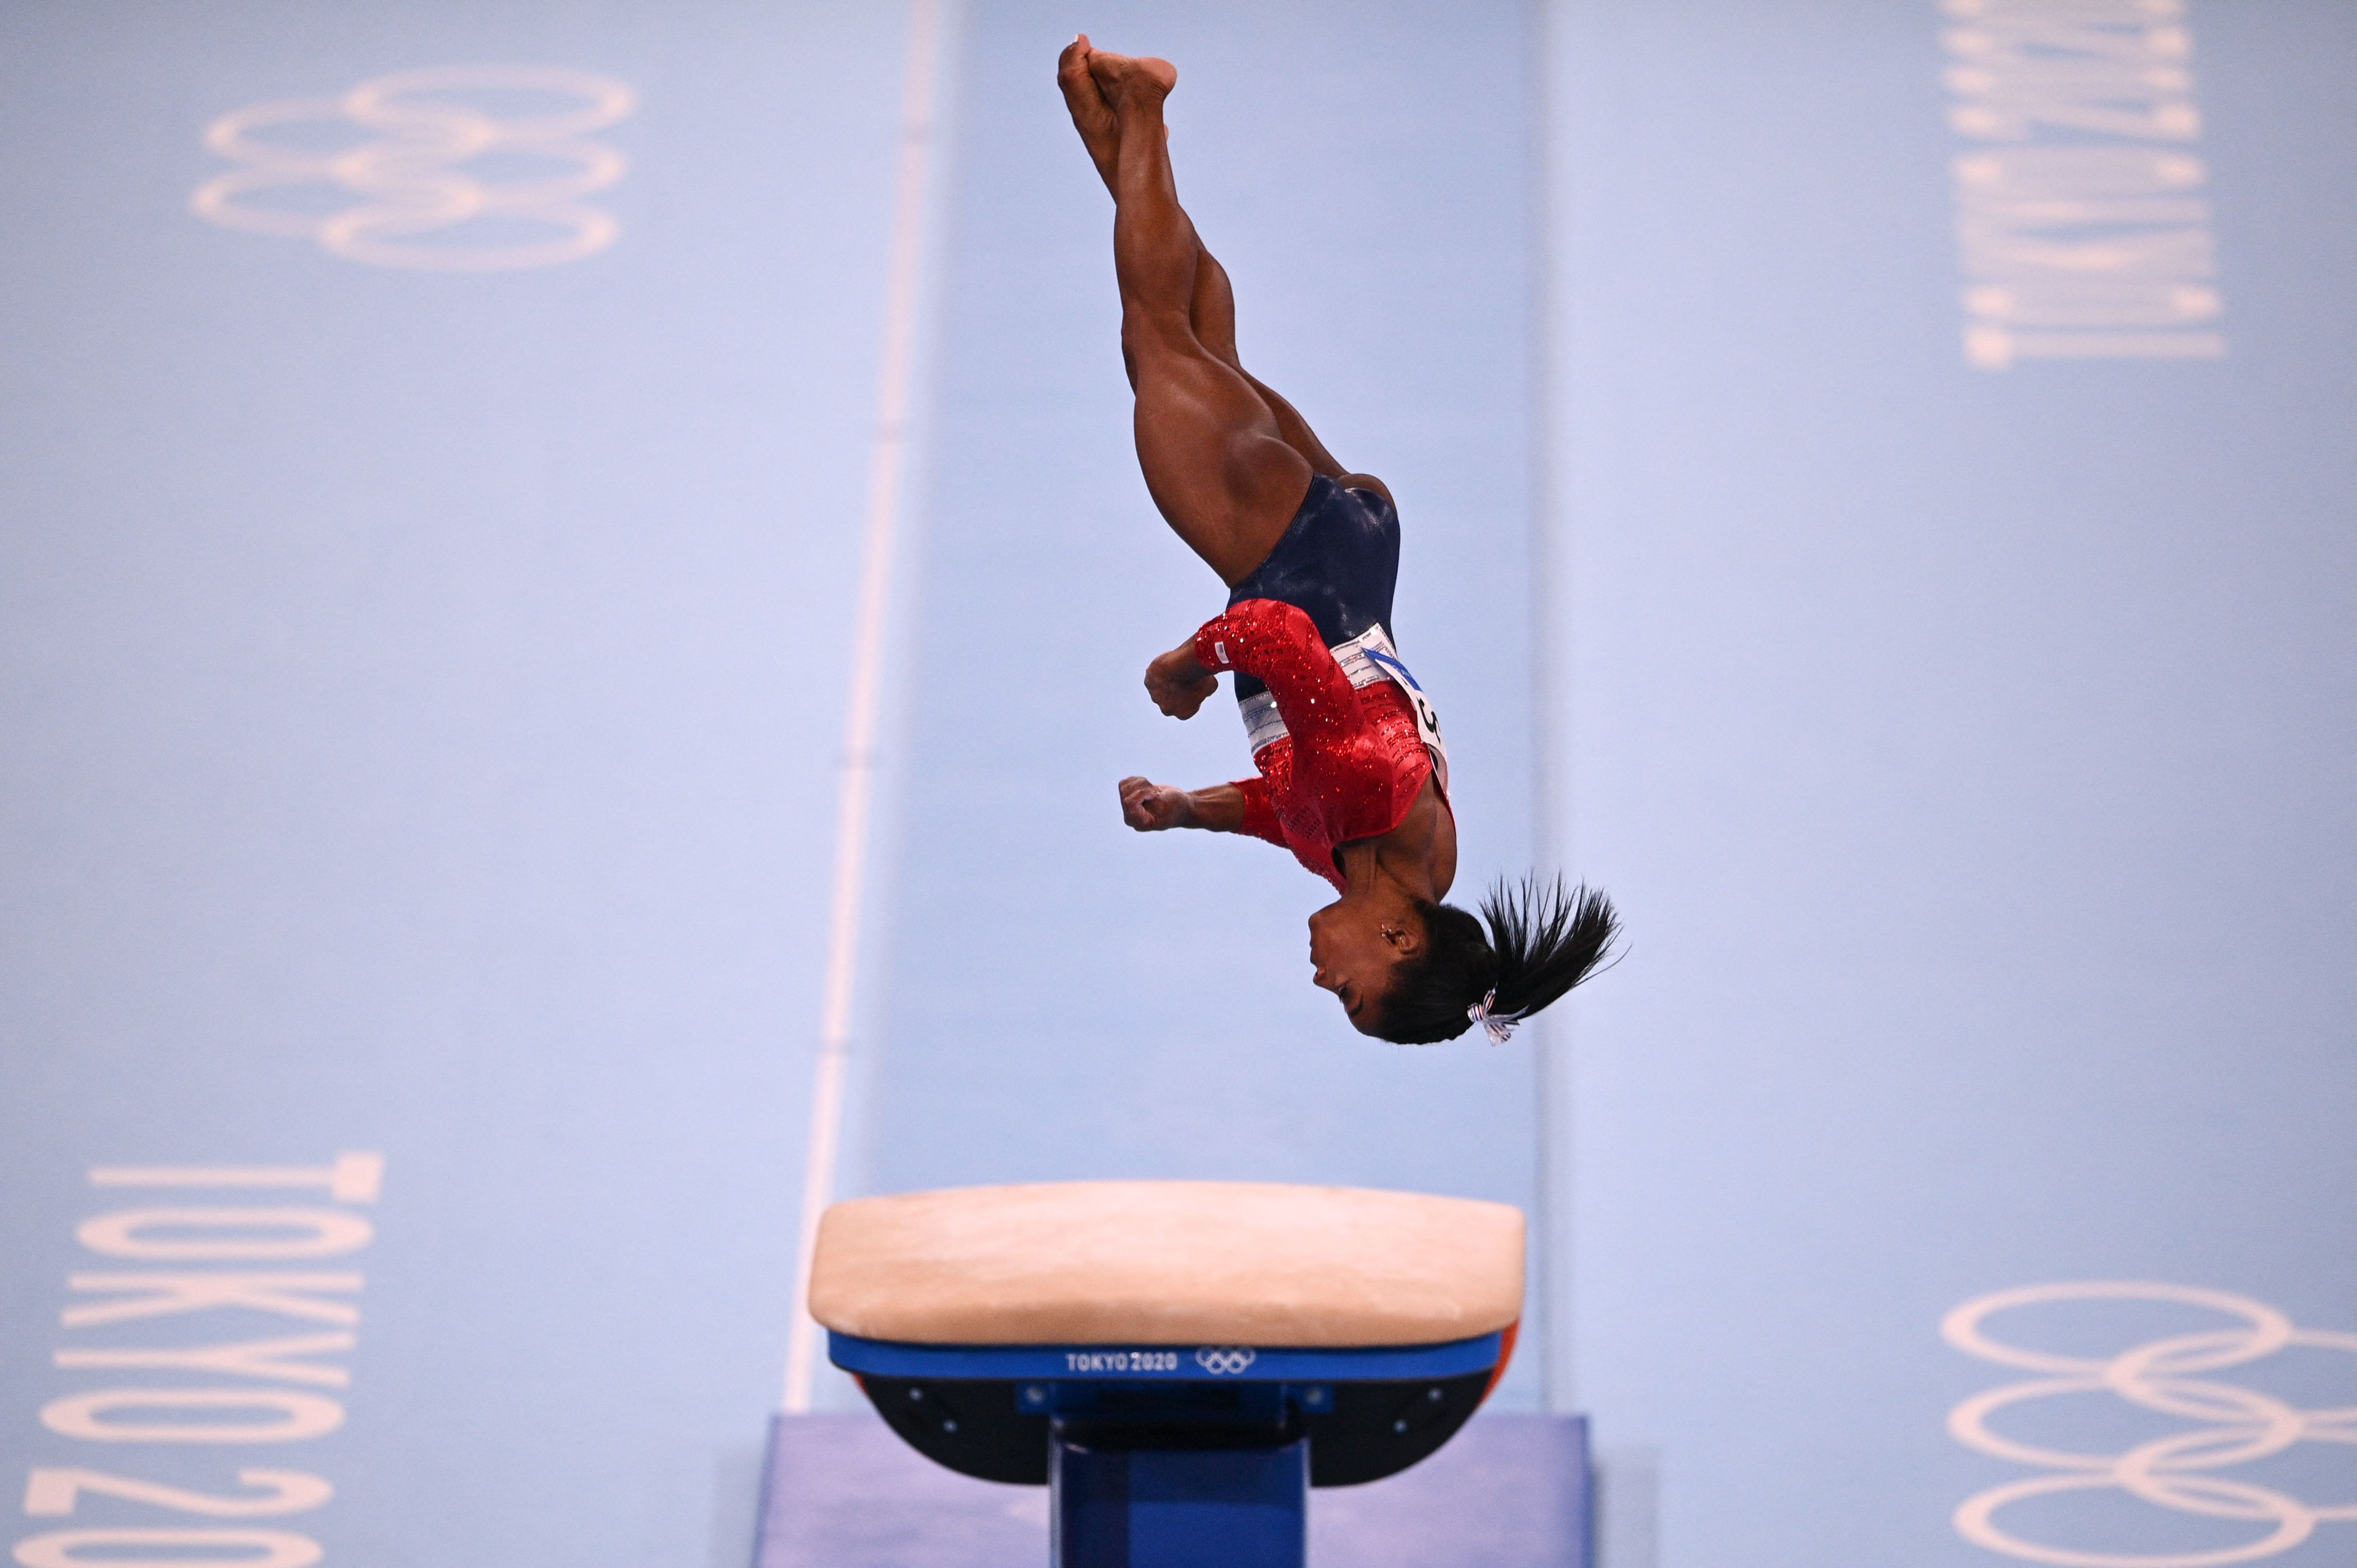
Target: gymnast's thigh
[[1220, 473]]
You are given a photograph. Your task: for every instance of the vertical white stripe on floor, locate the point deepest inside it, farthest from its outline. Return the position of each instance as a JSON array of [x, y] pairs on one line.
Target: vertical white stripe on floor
[[855, 789]]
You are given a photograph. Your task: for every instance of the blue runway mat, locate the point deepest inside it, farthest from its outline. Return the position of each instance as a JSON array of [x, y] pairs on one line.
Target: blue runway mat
[[1057, 997]]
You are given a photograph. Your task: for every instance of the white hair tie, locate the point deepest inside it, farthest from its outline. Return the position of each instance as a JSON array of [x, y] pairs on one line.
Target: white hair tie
[[1501, 1027]]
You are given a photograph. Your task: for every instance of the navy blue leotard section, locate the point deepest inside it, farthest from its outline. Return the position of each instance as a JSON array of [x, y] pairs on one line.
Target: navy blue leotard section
[[1338, 561]]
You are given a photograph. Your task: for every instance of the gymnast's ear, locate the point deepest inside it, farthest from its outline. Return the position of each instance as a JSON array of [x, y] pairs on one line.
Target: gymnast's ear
[[1452, 968]]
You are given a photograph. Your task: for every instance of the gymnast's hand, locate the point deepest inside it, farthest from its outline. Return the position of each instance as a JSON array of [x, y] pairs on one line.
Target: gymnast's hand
[[1149, 807], [1177, 683]]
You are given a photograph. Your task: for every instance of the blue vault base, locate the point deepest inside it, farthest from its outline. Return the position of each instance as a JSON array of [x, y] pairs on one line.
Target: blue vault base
[[843, 1492]]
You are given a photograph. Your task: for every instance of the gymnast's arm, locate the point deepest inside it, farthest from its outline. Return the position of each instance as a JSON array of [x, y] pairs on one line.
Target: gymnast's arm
[[1243, 807], [1273, 640], [1150, 808], [1279, 643]]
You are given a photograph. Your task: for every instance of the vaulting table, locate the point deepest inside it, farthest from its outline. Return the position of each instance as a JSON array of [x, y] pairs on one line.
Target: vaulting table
[[1179, 1361]]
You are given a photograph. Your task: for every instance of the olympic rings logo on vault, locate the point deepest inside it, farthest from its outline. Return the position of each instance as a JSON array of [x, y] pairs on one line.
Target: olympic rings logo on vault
[[2239, 1425], [1226, 1360], [423, 188]]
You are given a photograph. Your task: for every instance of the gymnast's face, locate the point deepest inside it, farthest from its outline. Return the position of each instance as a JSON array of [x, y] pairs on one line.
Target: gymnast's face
[[1355, 945]]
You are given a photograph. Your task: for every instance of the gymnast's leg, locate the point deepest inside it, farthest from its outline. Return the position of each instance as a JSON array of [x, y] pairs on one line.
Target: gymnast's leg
[[1215, 455], [1214, 314], [1212, 309]]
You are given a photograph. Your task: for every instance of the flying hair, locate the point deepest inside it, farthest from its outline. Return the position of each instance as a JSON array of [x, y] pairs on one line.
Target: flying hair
[[1543, 938]]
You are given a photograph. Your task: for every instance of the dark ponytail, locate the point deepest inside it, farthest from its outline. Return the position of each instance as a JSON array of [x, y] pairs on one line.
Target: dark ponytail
[[1543, 938]]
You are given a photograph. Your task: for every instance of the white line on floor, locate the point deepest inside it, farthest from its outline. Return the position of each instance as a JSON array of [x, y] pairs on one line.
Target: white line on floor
[[856, 786]]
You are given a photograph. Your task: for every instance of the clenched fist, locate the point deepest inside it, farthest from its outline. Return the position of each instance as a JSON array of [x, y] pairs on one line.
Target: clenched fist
[[1178, 683], [1149, 807]]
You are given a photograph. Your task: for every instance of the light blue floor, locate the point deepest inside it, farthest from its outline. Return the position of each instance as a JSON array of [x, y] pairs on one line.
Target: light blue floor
[[411, 681], [1973, 754], [423, 695]]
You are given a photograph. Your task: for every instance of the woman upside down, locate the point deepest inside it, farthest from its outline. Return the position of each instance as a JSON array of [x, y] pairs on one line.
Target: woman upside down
[[1352, 775]]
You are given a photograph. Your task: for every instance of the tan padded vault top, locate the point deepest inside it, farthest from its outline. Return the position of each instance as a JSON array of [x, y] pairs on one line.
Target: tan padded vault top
[[1168, 1262]]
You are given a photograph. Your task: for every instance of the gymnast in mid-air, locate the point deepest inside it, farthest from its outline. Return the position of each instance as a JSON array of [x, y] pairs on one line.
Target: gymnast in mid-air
[[1352, 774]]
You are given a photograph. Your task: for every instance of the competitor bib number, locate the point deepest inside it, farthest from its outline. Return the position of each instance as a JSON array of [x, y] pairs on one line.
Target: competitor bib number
[[1380, 654], [1428, 717]]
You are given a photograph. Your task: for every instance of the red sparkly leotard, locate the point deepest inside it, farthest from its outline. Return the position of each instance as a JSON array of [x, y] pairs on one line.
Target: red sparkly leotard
[[1352, 765]]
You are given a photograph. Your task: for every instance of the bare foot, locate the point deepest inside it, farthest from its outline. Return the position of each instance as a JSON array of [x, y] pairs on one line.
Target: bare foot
[[1129, 83], [1098, 127]]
